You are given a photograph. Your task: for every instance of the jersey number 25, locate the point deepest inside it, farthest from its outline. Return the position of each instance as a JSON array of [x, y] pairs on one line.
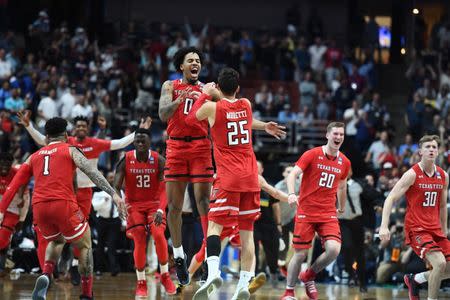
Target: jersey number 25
[[237, 128]]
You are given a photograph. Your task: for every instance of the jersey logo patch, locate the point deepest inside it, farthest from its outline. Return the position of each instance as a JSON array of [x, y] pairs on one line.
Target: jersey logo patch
[[340, 161], [152, 160], [321, 157], [132, 162]]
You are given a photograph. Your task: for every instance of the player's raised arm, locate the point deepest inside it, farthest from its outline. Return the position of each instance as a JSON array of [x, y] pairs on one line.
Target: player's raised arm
[[397, 192], [203, 108], [128, 139], [24, 119], [443, 209], [272, 128], [166, 106], [290, 182]]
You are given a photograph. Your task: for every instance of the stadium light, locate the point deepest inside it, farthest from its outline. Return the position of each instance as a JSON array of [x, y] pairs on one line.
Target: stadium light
[[415, 11], [403, 51]]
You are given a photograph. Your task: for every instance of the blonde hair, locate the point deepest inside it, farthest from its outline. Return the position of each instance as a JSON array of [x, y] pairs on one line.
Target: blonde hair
[[335, 125], [429, 138]]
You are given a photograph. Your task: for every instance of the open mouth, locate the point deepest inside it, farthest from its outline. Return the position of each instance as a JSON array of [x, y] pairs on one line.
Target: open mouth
[[336, 143], [194, 71]]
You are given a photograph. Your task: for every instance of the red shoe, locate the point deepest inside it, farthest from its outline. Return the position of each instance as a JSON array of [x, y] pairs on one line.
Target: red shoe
[[141, 288], [310, 286], [288, 295], [413, 287], [167, 282]]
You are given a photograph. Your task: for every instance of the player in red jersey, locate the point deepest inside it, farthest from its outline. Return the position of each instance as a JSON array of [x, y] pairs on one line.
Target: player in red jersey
[[55, 209], [92, 148], [324, 171], [425, 186], [188, 151], [143, 172], [17, 211], [235, 194]]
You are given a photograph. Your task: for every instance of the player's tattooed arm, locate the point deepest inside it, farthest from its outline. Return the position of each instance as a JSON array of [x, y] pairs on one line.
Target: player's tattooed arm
[[161, 165], [92, 172], [166, 104], [119, 175]]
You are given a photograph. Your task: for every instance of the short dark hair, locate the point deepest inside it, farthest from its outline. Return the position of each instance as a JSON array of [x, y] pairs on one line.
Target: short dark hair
[[6, 157], [55, 127], [335, 125], [429, 138], [179, 56], [143, 131], [228, 81], [80, 118]]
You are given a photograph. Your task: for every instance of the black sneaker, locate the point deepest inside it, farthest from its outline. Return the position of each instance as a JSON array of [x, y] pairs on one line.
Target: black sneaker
[[182, 270], [413, 286], [83, 297], [75, 277]]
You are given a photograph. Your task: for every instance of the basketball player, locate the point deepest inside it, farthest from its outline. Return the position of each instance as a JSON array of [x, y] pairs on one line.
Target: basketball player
[[55, 209], [92, 148], [324, 171], [425, 186], [188, 150], [235, 195], [17, 211], [142, 171]]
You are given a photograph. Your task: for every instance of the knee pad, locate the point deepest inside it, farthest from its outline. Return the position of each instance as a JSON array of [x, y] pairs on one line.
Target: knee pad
[[213, 245]]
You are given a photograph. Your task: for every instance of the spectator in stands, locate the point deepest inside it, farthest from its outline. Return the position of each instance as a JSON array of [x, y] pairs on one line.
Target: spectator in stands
[[42, 24], [280, 98], [286, 115], [47, 108], [333, 55], [268, 56], [357, 82], [194, 38], [377, 112], [363, 133], [5, 66], [443, 100], [409, 144], [263, 99], [82, 108], [305, 117], [323, 104], [287, 59], [80, 41], [302, 56], [308, 91], [414, 118], [15, 103], [177, 45], [247, 50], [343, 97], [351, 118], [376, 149], [317, 53], [427, 92]]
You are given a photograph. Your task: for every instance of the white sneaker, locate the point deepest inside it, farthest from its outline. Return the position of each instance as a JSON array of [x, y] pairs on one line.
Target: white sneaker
[[241, 294], [208, 289], [40, 288]]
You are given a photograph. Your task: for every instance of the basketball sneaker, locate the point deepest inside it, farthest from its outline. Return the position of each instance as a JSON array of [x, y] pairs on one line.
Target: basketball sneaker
[[141, 288], [182, 270], [209, 288], [310, 286], [413, 287], [40, 288], [257, 282], [168, 284], [241, 294], [289, 294]]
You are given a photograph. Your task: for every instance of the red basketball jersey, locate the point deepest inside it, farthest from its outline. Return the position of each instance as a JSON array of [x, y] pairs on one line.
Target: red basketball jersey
[[5, 180], [142, 181], [321, 176], [176, 125], [91, 147], [423, 200], [233, 150], [53, 170]]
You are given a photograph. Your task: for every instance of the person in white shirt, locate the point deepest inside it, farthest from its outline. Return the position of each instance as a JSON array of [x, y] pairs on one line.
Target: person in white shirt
[[317, 52], [82, 108], [67, 102], [47, 108]]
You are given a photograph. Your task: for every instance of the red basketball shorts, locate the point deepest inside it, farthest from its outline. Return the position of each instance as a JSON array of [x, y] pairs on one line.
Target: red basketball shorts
[[304, 232], [10, 221], [234, 208], [188, 166], [423, 242], [60, 217], [84, 199], [140, 218]]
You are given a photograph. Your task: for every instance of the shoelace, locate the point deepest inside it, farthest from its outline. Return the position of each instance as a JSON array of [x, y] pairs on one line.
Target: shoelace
[[311, 286]]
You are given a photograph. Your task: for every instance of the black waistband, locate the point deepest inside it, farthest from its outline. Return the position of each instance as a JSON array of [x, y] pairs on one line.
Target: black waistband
[[187, 138]]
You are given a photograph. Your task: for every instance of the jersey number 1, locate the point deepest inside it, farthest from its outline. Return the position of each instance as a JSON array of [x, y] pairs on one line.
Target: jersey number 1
[[430, 199], [46, 164]]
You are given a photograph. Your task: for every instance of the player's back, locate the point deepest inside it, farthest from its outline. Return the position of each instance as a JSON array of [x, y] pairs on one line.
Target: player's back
[[176, 125], [233, 149], [53, 170], [423, 200], [142, 180]]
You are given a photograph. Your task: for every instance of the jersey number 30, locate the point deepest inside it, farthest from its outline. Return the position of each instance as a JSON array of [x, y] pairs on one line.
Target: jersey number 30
[[326, 180], [237, 128], [430, 199]]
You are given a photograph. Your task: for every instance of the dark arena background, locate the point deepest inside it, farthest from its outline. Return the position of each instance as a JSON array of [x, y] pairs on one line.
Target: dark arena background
[[380, 67]]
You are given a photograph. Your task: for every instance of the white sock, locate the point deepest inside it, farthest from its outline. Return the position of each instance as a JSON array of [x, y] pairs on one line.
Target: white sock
[[213, 267], [140, 275], [178, 252], [74, 262], [164, 268], [420, 278], [431, 298], [244, 279]]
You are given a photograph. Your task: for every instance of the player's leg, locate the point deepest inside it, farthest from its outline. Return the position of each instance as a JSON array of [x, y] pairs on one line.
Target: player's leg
[[202, 191], [437, 261], [6, 231], [42, 246], [163, 257], [197, 260], [86, 263], [301, 242], [175, 194]]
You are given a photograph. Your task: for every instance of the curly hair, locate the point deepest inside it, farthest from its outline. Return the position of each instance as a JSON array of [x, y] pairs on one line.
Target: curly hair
[[179, 56]]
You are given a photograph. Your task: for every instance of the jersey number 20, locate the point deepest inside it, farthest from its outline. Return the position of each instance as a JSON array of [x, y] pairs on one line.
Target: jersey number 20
[[237, 128], [430, 199], [326, 180]]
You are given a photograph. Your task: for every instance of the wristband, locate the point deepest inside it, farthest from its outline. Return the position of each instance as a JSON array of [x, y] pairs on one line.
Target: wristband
[[160, 210], [291, 194]]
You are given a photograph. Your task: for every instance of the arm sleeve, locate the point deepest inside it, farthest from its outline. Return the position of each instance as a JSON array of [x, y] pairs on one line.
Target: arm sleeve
[[21, 178], [305, 160], [123, 142], [192, 116], [38, 137], [162, 196]]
